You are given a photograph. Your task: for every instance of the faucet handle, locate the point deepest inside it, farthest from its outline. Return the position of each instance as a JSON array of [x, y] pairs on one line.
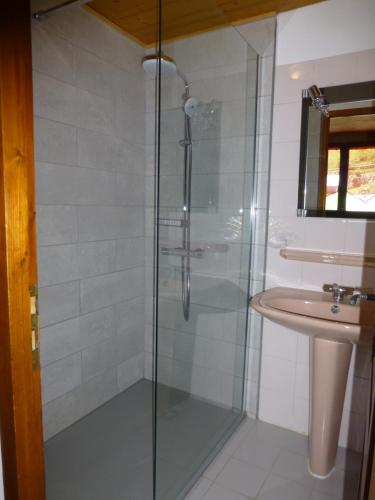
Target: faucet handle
[[338, 291], [335, 287]]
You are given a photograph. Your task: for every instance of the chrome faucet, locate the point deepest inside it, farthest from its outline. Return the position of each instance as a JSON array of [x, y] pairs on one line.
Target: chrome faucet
[[338, 291]]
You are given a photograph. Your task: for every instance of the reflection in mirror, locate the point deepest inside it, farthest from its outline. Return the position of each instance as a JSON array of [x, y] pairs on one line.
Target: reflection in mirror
[[337, 166], [350, 160]]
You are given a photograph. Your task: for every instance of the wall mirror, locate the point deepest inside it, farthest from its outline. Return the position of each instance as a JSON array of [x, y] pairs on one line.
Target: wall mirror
[[337, 158]]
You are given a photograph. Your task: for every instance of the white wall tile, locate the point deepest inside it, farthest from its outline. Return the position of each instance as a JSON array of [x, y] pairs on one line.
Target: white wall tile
[[61, 263], [56, 224], [55, 100], [106, 223], [97, 326], [130, 372], [98, 358], [61, 377], [58, 303], [302, 387], [276, 408], [279, 341], [286, 122], [60, 340], [325, 234], [285, 160], [52, 55], [57, 185], [283, 198], [277, 374], [315, 275], [105, 290], [55, 142]]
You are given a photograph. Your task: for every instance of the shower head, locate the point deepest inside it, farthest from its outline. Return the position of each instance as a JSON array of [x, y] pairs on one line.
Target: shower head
[[167, 66], [318, 99]]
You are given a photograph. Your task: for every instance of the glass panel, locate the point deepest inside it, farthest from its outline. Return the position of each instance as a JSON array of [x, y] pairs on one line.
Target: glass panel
[[333, 179], [361, 180], [207, 132]]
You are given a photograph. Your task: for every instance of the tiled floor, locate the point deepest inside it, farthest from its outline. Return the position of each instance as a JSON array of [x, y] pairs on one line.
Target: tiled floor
[[108, 455], [265, 462]]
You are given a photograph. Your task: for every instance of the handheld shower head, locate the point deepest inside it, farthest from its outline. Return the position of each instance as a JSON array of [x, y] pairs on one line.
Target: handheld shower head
[[318, 99]]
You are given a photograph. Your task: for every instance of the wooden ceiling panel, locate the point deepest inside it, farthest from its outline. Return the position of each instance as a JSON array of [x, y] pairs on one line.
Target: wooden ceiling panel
[[183, 18]]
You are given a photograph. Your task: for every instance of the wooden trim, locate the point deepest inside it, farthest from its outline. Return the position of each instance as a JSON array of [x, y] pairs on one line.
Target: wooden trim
[[370, 110], [116, 27], [185, 18], [20, 398], [176, 38]]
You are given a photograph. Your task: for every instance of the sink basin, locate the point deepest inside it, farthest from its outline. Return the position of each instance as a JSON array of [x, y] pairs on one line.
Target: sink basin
[[315, 314], [333, 329]]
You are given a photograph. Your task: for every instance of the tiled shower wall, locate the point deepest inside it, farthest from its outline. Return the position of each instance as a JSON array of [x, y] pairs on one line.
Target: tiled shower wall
[[284, 387], [89, 135]]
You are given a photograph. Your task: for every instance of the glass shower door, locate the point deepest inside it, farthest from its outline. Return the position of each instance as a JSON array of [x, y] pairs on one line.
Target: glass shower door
[[207, 113]]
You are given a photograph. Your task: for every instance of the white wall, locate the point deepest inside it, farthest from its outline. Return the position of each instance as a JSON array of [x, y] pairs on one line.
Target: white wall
[[284, 393], [325, 29]]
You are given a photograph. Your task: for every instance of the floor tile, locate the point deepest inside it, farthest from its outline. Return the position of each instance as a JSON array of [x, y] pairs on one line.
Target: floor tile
[[199, 489], [216, 466], [259, 461], [283, 438], [278, 488], [293, 466], [257, 452], [235, 441], [241, 477], [321, 496], [217, 492], [339, 485]]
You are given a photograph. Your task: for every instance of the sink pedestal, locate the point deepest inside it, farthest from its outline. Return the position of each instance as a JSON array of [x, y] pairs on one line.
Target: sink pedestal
[[330, 367]]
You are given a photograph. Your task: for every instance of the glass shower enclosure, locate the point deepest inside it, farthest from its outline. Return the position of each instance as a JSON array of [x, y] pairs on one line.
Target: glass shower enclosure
[[206, 94]]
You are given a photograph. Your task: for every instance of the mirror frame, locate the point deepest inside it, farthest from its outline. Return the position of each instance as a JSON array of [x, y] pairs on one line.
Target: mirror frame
[[337, 94]]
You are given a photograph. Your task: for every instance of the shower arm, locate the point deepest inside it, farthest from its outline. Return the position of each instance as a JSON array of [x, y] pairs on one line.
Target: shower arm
[[41, 13], [184, 79]]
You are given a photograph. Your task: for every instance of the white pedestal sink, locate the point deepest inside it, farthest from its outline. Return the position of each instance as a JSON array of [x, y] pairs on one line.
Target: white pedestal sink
[[334, 329]]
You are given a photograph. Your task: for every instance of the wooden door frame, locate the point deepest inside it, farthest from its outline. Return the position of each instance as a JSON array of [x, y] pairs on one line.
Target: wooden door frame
[[20, 394]]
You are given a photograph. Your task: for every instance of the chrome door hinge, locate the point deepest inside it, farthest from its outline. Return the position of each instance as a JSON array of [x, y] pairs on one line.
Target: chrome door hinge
[[34, 315]]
